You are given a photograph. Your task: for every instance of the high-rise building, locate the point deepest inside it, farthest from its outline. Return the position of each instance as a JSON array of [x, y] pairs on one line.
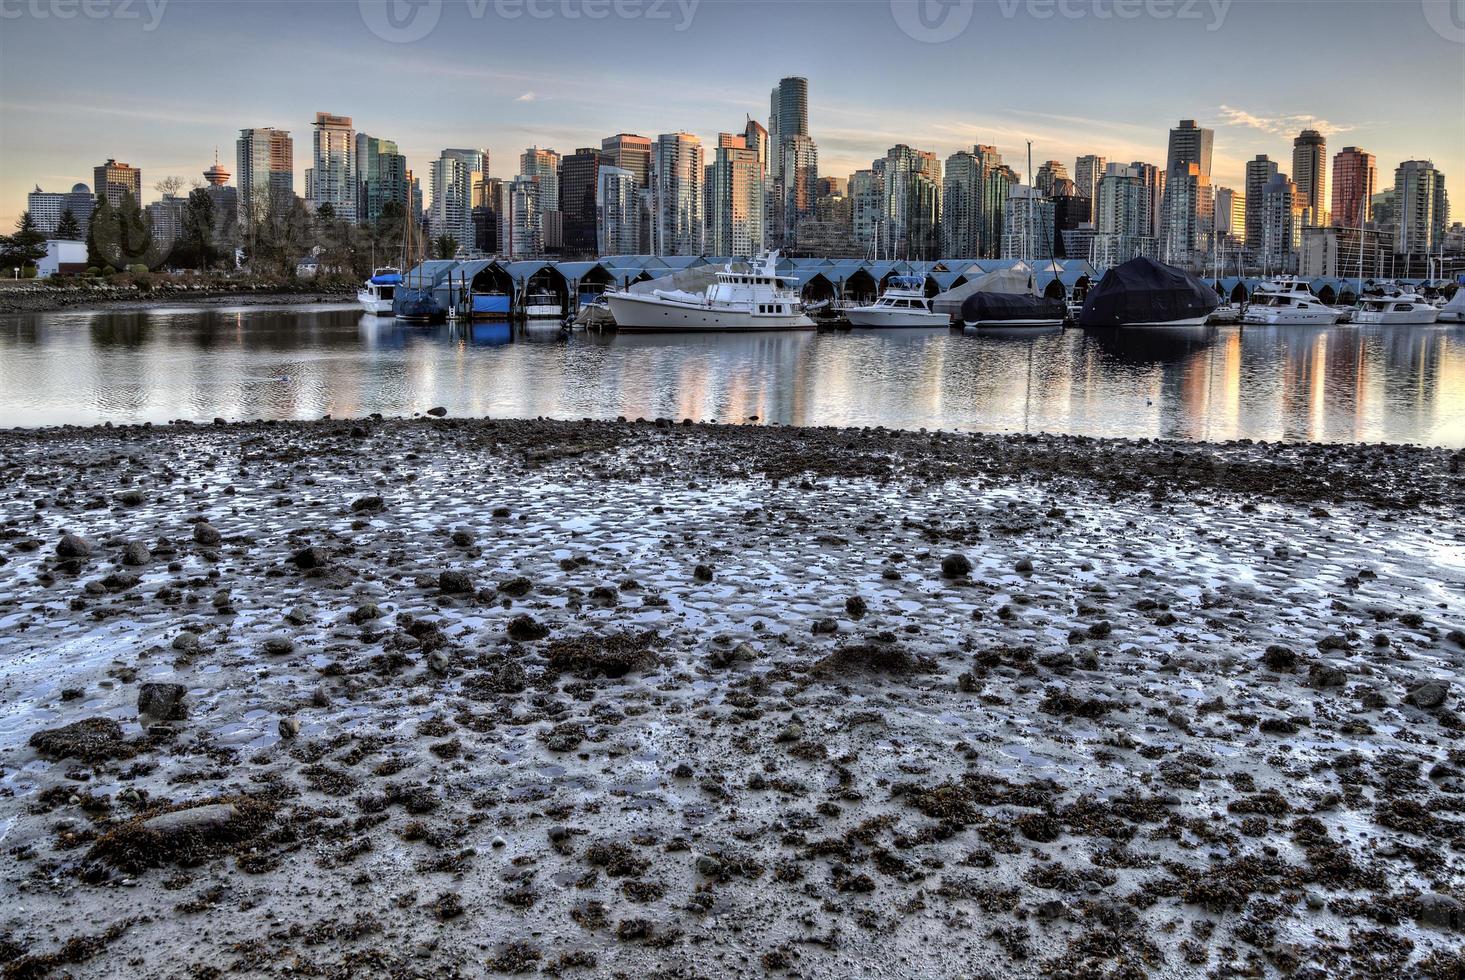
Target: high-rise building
[[735, 198], [1049, 173], [913, 202], [521, 232], [113, 179], [265, 173], [372, 154], [1087, 172], [961, 206], [617, 204], [1281, 233], [1153, 179], [1422, 209], [1355, 173], [578, 185], [1310, 174], [1027, 224], [1230, 219], [1190, 143], [1070, 212], [454, 174], [165, 220], [47, 207], [798, 184], [629, 152], [332, 178], [1123, 227], [677, 177], [1259, 173], [543, 166], [788, 115], [226, 202], [867, 204], [1189, 216]]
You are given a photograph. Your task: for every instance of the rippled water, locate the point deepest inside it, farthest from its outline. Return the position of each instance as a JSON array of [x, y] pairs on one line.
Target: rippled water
[[1335, 384]]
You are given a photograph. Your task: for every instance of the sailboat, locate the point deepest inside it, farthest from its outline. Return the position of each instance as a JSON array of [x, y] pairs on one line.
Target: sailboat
[[413, 300]]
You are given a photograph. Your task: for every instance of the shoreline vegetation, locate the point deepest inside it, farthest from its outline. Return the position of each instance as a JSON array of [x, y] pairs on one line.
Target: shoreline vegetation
[[440, 696], [146, 290]]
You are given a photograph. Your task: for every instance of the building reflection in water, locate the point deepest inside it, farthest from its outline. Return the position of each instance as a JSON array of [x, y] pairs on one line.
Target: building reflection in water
[[1275, 383]]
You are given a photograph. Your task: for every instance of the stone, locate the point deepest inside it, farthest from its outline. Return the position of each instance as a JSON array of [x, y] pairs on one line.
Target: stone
[[1280, 659], [524, 628], [365, 613], [130, 498], [855, 606], [136, 553], [289, 728], [277, 645], [702, 573], [517, 586], [193, 821], [454, 582], [186, 642], [438, 412], [956, 565], [206, 534], [1023, 566], [162, 701], [463, 537], [368, 504], [311, 557], [1429, 695], [90, 740], [73, 546], [1326, 675], [1441, 911], [708, 865]]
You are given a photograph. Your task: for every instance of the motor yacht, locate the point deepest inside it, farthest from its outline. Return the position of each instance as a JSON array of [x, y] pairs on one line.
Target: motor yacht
[[1404, 309], [375, 295], [1288, 301], [759, 299], [903, 304]]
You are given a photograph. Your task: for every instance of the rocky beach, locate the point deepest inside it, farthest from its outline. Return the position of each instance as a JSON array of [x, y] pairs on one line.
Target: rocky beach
[[79, 296], [441, 697]]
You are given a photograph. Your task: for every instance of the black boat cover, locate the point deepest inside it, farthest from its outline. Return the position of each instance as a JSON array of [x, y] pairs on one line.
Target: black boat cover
[[1010, 306], [1145, 291]]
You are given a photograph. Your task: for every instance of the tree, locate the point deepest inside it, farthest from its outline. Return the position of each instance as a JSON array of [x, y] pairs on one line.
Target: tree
[[444, 247], [195, 248], [169, 186], [137, 237], [103, 239], [24, 248], [68, 229]]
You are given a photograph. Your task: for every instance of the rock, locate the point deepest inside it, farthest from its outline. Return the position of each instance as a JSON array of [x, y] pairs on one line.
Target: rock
[[956, 565], [702, 573], [1280, 659], [193, 821], [186, 642], [708, 865], [368, 504], [365, 613], [1441, 911], [136, 553], [1326, 675], [73, 546], [437, 412], [206, 534], [855, 606], [1456, 637], [454, 582], [162, 702], [277, 645], [289, 728], [311, 557], [723, 656], [90, 740], [130, 498], [518, 586], [1429, 695], [525, 628], [463, 537], [826, 625], [1023, 566]]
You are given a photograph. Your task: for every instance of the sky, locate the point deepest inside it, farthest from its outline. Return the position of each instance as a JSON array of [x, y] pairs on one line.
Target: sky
[[160, 83]]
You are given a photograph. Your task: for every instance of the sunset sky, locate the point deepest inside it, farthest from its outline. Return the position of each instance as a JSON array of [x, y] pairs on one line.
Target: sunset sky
[[160, 84]]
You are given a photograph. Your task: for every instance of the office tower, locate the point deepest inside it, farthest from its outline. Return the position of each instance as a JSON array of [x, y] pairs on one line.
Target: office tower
[[867, 203], [1123, 227], [961, 206], [47, 207], [113, 179], [1027, 224], [332, 177], [1310, 174], [788, 115], [1049, 173], [265, 172], [1071, 210], [617, 205], [677, 177], [1422, 209], [578, 185], [912, 202], [1355, 174], [543, 166], [1189, 216], [798, 184], [388, 181], [629, 152], [165, 220], [996, 180], [735, 198], [1087, 172], [454, 174], [1230, 218], [1281, 225], [1259, 173], [372, 155], [521, 232]]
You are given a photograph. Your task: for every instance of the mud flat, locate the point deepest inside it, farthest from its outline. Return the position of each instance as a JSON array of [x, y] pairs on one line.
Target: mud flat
[[439, 698]]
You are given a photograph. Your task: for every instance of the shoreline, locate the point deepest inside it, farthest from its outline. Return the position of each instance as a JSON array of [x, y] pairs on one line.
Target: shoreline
[[423, 697], [19, 300]]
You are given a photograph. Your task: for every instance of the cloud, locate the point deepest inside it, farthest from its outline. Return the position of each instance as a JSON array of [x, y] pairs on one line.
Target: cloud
[[526, 97], [1281, 124]]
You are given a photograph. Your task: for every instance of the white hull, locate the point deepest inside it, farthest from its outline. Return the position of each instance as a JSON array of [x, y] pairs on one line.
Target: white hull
[[1284, 317], [1451, 316], [1194, 321], [875, 316], [1007, 324], [543, 312], [636, 312], [1414, 318], [372, 303]]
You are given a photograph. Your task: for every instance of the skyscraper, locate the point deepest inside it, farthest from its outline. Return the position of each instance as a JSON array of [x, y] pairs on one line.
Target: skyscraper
[[1281, 232], [1153, 179], [1087, 172], [1027, 224], [578, 184], [1310, 174], [372, 154], [112, 179], [735, 198], [1230, 218], [617, 204], [867, 200], [543, 166], [913, 202], [47, 207], [454, 173], [798, 186], [1259, 173], [1122, 223], [265, 173], [332, 179], [677, 177], [1188, 207], [1421, 206], [1355, 173], [1190, 143], [629, 152], [961, 206], [788, 115], [1049, 173]]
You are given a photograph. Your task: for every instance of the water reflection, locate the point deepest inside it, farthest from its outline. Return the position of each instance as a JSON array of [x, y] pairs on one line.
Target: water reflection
[[1294, 383]]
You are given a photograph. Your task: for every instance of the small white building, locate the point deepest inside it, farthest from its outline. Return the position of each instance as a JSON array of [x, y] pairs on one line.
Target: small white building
[[62, 258]]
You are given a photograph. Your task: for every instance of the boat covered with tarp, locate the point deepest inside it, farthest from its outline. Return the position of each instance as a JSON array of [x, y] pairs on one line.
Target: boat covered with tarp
[[984, 309], [1146, 293]]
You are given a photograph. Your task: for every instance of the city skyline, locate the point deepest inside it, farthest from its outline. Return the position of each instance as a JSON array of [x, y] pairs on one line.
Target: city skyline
[[54, 132]]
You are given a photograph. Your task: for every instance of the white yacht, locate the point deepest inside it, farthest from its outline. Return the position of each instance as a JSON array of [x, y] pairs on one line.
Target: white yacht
[[1454, 310], [903, 304], [1288, 301], [1404, 309], [756, 300], [376, 294], [543, 306]]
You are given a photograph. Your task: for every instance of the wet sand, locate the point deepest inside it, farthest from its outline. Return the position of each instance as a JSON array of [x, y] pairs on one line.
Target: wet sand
[[438, 698]]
